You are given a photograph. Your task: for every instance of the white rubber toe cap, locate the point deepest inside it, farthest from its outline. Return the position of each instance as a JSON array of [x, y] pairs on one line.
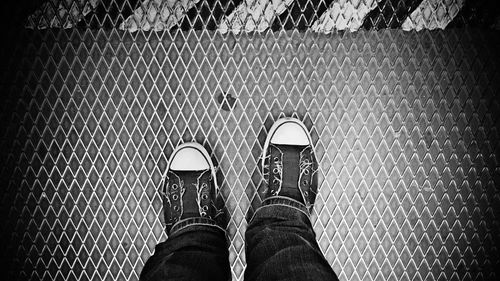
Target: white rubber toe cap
[[290, 131], [189, 157]]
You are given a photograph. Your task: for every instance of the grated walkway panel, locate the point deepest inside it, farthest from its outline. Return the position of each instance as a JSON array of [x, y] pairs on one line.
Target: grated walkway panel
[[405, 125]]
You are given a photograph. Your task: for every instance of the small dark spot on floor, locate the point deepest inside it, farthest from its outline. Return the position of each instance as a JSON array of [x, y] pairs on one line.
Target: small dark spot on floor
[[226, 101]]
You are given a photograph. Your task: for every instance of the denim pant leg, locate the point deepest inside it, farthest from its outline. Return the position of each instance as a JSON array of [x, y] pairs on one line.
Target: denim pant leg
[[196, 252], [281, 244]]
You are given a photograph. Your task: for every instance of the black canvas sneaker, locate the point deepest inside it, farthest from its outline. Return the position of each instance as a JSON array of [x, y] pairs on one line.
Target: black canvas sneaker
[[289, 164], [190, 188]]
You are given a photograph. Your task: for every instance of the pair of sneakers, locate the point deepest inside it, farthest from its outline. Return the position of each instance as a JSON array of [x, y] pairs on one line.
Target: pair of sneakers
[[288, 164]]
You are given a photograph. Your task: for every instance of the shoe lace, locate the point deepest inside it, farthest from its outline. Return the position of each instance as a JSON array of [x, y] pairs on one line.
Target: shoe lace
[[277, 175], [265, 172], [218, 211], [305, 167]]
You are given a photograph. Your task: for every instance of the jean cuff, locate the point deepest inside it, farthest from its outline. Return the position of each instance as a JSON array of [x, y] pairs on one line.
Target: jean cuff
[[286, 201], [197, 222]]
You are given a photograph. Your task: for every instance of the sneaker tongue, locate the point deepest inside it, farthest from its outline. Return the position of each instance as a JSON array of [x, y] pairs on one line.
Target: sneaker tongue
[[190, 206], [291, 171]]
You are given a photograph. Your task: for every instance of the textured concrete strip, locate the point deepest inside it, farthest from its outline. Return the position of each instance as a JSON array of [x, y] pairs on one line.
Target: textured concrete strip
[[60, 14], [344, 15], [253, 15], [433, 14], [157, 15]]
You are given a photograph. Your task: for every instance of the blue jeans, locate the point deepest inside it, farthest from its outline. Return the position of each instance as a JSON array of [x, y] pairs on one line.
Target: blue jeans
[[280, 245]]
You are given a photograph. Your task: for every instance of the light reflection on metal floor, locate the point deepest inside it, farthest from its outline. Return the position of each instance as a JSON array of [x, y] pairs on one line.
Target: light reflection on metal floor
[[405, 125]]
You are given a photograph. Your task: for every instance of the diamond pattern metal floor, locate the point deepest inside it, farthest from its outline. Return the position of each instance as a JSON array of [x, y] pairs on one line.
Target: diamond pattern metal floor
[[405, 125]]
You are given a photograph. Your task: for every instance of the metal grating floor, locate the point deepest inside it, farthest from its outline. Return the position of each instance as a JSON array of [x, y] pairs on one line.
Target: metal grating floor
[[405, 125]]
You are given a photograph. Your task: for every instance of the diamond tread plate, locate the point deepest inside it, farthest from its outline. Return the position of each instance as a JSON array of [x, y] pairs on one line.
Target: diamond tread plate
[[405, 126], [479, 14], [392, 13]]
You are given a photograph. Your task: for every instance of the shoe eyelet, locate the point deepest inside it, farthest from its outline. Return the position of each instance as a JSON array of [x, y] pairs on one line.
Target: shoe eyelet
[[304, 181], [176, 208], [204, 185], [174, 186], [205, 208], [306, 193], [306, 172], [175, 197], [276, 181], [275, 170], [204, 196], [276, 159]]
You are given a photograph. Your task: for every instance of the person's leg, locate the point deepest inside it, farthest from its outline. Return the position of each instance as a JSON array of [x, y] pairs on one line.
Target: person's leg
[[194, 253], [196, 248], [281, 243]]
